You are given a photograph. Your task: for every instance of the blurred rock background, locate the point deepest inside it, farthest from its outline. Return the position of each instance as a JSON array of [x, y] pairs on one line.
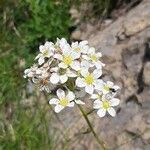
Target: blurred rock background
[[120, 29]]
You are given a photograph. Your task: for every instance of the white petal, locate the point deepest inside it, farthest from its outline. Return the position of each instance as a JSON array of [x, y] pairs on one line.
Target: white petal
[[71, 104], [80, 82], [41, 48], [114, 102], [58, 108], [54, 79], [99, 54], [83, 42], [85, 57], [89, 89], [97, 73], [98, 65], [41, 60], [70, 73], [75, 65], [62, 65], [84, 72], [79, 102], [38, 56], [94, 96], [110, 84], [101, 112], [63, 78], [85, 63], [112, 111], [58, 56], [97, 104], [70, 96], [53, 101], [75, 55], [99, 84], [116, 87], [91, 50], [60, 93]]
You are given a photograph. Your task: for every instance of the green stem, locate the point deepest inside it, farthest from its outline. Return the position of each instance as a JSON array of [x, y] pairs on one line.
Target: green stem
[[100, 142]]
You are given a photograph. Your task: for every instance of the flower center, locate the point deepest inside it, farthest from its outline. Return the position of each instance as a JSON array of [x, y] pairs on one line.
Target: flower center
[[106, 88], [64, 102], [100, 96], [106, 104], [94, 58], [44, 82], [45, 53], [77, 49], [89, 79], [67, 60]]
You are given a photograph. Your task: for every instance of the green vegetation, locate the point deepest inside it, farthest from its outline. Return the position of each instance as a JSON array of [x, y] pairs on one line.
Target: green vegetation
[[24, 25]]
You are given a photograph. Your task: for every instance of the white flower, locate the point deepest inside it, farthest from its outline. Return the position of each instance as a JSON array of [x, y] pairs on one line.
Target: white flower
[[89, 80], [97, 95], [79, 47], [68, 59], [61, 75], [46, 51], [106, 87], [30, 72], [64, 100], [94, 58], [106, 106]]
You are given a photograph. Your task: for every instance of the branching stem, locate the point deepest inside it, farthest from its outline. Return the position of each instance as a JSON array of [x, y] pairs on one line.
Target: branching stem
[[100, 142]]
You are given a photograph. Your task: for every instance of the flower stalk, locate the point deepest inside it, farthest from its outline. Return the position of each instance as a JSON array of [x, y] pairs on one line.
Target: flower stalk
[[99, 141]]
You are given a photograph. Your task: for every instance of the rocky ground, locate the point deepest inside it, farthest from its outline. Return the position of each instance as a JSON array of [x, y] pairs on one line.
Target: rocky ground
[[125, 45]]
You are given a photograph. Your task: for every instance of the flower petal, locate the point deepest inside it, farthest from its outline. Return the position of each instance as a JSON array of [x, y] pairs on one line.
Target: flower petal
[[75, 55], [62, 65], [79, 102], [58, 108], [97, 104], [101, 112], [71, 73], [54, 79], [94, 96], [80, 82], [71, 104], [53, 101], [41, 60], [112, 111], [60, 93], [63, 78], [75, 65], [84, 72], [89, 89], [58, 56], [110, 84], [114, 102], [70, 96], [97, 73]]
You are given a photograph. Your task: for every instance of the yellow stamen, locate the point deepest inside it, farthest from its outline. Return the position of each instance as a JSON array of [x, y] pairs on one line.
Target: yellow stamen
[[45, 53], [67, 60], [64, 102], [89, 79], [106, 104], [100, 96], [77, 49], [94, 57], [106, 88]]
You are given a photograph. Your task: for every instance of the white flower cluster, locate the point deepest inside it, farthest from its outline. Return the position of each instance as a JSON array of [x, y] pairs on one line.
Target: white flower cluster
[[73, 70]]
